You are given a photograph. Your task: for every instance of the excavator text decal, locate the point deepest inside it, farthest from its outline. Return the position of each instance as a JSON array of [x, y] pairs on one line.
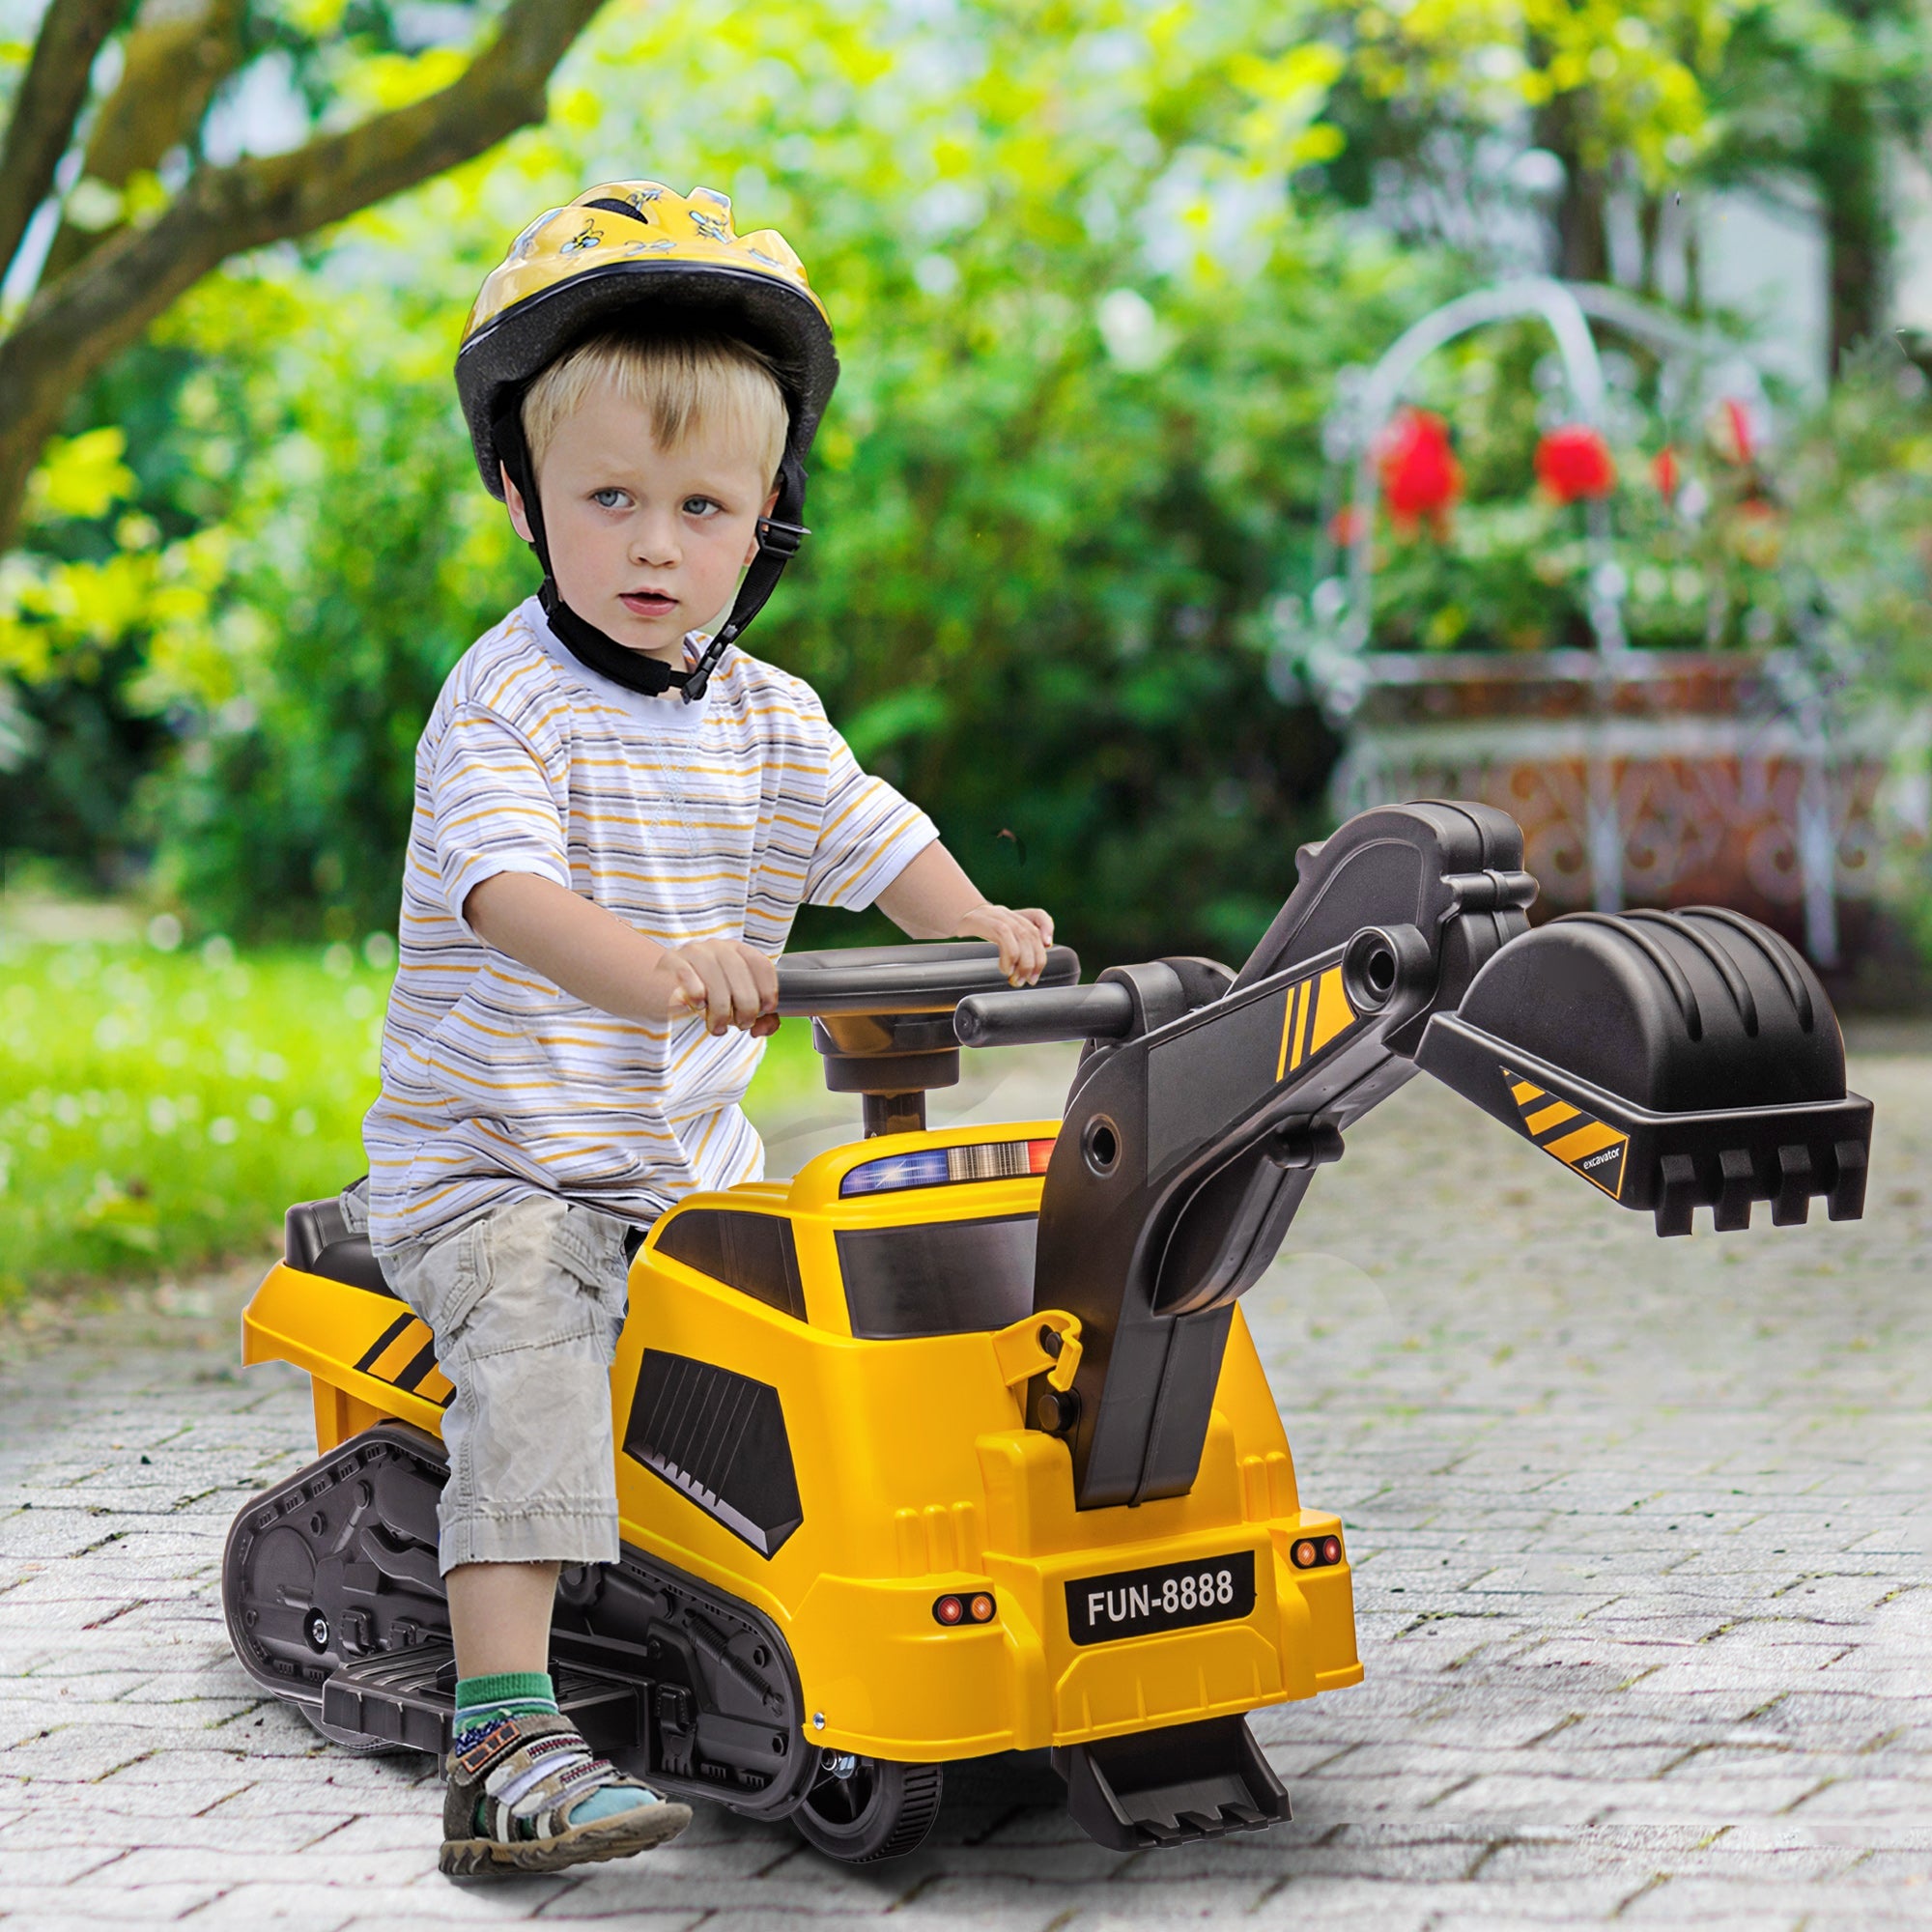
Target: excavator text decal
[[1578, 1140]]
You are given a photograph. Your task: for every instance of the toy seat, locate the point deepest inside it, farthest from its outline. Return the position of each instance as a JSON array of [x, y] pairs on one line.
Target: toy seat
[[317, 1239]]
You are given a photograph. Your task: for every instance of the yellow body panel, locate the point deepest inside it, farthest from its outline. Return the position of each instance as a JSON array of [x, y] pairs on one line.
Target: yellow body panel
[[916, 1478]]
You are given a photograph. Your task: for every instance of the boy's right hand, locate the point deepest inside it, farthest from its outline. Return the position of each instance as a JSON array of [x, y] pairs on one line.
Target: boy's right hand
[[732, 984]]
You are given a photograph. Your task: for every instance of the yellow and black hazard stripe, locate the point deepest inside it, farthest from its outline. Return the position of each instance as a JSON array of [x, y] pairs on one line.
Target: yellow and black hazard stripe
[[404, 1355], [1317, 1011], [1596, 1150]]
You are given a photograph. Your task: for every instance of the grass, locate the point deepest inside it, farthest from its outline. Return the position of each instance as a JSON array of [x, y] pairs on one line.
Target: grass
[[160, 1108]]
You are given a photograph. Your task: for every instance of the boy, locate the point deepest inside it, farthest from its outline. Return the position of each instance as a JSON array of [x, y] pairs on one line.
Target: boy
[[617, 819]]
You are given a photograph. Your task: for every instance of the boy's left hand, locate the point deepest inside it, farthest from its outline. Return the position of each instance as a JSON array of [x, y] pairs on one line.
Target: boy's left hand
[[1022, 937]]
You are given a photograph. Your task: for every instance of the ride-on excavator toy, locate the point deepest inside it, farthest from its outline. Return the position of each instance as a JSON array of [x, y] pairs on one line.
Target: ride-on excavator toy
[[956, 1444]]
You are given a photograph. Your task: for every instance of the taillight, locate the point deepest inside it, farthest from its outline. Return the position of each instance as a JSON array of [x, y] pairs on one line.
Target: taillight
[[1315, 1552], [977, 1607]]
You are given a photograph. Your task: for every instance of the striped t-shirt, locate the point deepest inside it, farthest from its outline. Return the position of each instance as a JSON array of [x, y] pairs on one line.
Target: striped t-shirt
[[715, 820]]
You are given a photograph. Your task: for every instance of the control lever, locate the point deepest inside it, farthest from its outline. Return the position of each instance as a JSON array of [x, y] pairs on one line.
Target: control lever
[[1034, 1015]]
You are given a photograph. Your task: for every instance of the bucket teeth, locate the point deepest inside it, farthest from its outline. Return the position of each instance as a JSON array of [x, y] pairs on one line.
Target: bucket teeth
[[1789, 1177], [1846, 1201], [1735, 1185], [1677, 1195], [1791, 1205]]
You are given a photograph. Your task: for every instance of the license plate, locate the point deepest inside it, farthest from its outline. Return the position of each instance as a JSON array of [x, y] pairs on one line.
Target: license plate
[[1169, 1596]]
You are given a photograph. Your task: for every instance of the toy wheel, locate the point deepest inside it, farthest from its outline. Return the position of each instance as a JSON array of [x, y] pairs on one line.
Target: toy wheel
[[862, 1808]]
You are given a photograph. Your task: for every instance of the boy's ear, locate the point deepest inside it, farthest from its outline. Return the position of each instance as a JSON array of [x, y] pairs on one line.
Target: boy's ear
[[513, 501], [752, 550]]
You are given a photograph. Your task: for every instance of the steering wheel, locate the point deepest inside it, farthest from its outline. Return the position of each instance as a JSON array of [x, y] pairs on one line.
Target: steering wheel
[[903, 979]]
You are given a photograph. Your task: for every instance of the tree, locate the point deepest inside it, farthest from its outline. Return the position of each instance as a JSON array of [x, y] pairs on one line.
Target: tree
[[1439, 100], [129, 245], [1802, 102], [1816, 96]]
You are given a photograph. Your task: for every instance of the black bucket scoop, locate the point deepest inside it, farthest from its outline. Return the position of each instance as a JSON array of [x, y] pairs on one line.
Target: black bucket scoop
[[1672, 1059]]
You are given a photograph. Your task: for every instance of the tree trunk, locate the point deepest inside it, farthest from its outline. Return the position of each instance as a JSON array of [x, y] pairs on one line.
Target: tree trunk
[[46, 105], [1582, 237], [1847, 164], [171, 67], [1650, 233]]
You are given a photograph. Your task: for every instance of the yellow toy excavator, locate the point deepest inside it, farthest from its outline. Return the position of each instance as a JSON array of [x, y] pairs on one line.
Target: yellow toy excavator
[[956, 1444]]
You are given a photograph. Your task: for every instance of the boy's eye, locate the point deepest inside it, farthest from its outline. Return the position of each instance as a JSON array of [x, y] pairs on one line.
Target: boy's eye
[[699, 506], [607, 500]]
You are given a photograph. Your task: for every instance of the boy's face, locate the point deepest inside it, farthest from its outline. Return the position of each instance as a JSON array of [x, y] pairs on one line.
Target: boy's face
[[646, 543]]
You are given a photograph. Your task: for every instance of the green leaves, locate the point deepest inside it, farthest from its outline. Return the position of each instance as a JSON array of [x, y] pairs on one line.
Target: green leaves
[[889, 719], [1086, 335], [81, 475]]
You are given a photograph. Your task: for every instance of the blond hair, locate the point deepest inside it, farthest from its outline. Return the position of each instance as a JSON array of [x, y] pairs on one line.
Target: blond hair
[[681, 382]]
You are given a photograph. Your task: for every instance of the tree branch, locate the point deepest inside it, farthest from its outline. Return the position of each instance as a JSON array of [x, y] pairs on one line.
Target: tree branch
[[73, 325], [51, 95], [173, 65]]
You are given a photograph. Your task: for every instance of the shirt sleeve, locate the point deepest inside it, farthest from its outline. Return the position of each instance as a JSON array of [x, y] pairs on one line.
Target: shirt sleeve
[[867, 838], [491, 805]]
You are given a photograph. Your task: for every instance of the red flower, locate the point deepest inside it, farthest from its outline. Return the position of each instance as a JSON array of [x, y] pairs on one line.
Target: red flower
[[1666, 472], [1744, 445], [1419, 473], [1573, 462]]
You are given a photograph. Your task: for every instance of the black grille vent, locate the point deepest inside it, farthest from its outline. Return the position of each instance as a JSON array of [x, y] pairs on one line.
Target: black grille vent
[[719, 1438]]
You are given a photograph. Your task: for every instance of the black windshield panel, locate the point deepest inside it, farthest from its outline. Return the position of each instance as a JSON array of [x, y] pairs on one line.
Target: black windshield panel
[[941, 1278], [752, 1253]]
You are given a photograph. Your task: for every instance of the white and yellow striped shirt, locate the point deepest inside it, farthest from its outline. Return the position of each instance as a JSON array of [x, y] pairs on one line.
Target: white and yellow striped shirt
[[715, 820]]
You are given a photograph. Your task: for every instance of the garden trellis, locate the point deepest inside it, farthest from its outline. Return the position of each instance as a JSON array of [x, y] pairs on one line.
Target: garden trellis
[[1641, 775]]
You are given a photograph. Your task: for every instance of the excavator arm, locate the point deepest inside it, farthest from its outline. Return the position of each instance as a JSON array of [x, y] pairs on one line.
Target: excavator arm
[[1667, 1058]]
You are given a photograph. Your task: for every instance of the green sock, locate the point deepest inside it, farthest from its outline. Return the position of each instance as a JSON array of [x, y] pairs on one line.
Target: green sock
[[483, 1701]]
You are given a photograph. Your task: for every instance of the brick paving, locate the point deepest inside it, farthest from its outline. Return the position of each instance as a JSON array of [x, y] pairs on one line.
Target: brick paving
[[1641, 1542]]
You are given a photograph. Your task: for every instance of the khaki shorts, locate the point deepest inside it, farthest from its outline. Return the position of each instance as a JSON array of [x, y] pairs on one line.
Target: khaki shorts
[[525, 1304]]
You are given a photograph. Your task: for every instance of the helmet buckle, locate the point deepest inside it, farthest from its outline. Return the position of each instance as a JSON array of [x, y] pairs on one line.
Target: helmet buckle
[[781, 538]]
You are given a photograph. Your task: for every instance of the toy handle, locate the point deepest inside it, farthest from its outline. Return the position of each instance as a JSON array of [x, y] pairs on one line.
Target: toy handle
[[1031, 1015], [874, 980]]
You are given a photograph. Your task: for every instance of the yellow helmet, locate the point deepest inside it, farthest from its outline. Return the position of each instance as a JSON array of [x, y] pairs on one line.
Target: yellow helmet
[[636, 250]]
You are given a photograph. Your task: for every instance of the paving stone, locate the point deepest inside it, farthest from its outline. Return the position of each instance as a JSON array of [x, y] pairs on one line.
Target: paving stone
[[1640, 1535], [98, 1904]]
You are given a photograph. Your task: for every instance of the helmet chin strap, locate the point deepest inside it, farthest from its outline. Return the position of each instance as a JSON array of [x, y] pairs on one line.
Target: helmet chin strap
[[780, 536]]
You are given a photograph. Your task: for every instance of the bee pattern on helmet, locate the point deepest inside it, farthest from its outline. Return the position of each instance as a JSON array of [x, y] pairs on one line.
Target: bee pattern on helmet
[[709, 224], [524, 246], [760, 255], [590, 235], [648, 247]]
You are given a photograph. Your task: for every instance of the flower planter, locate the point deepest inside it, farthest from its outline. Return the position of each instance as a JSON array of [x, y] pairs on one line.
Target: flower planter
[[1640, 778]]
